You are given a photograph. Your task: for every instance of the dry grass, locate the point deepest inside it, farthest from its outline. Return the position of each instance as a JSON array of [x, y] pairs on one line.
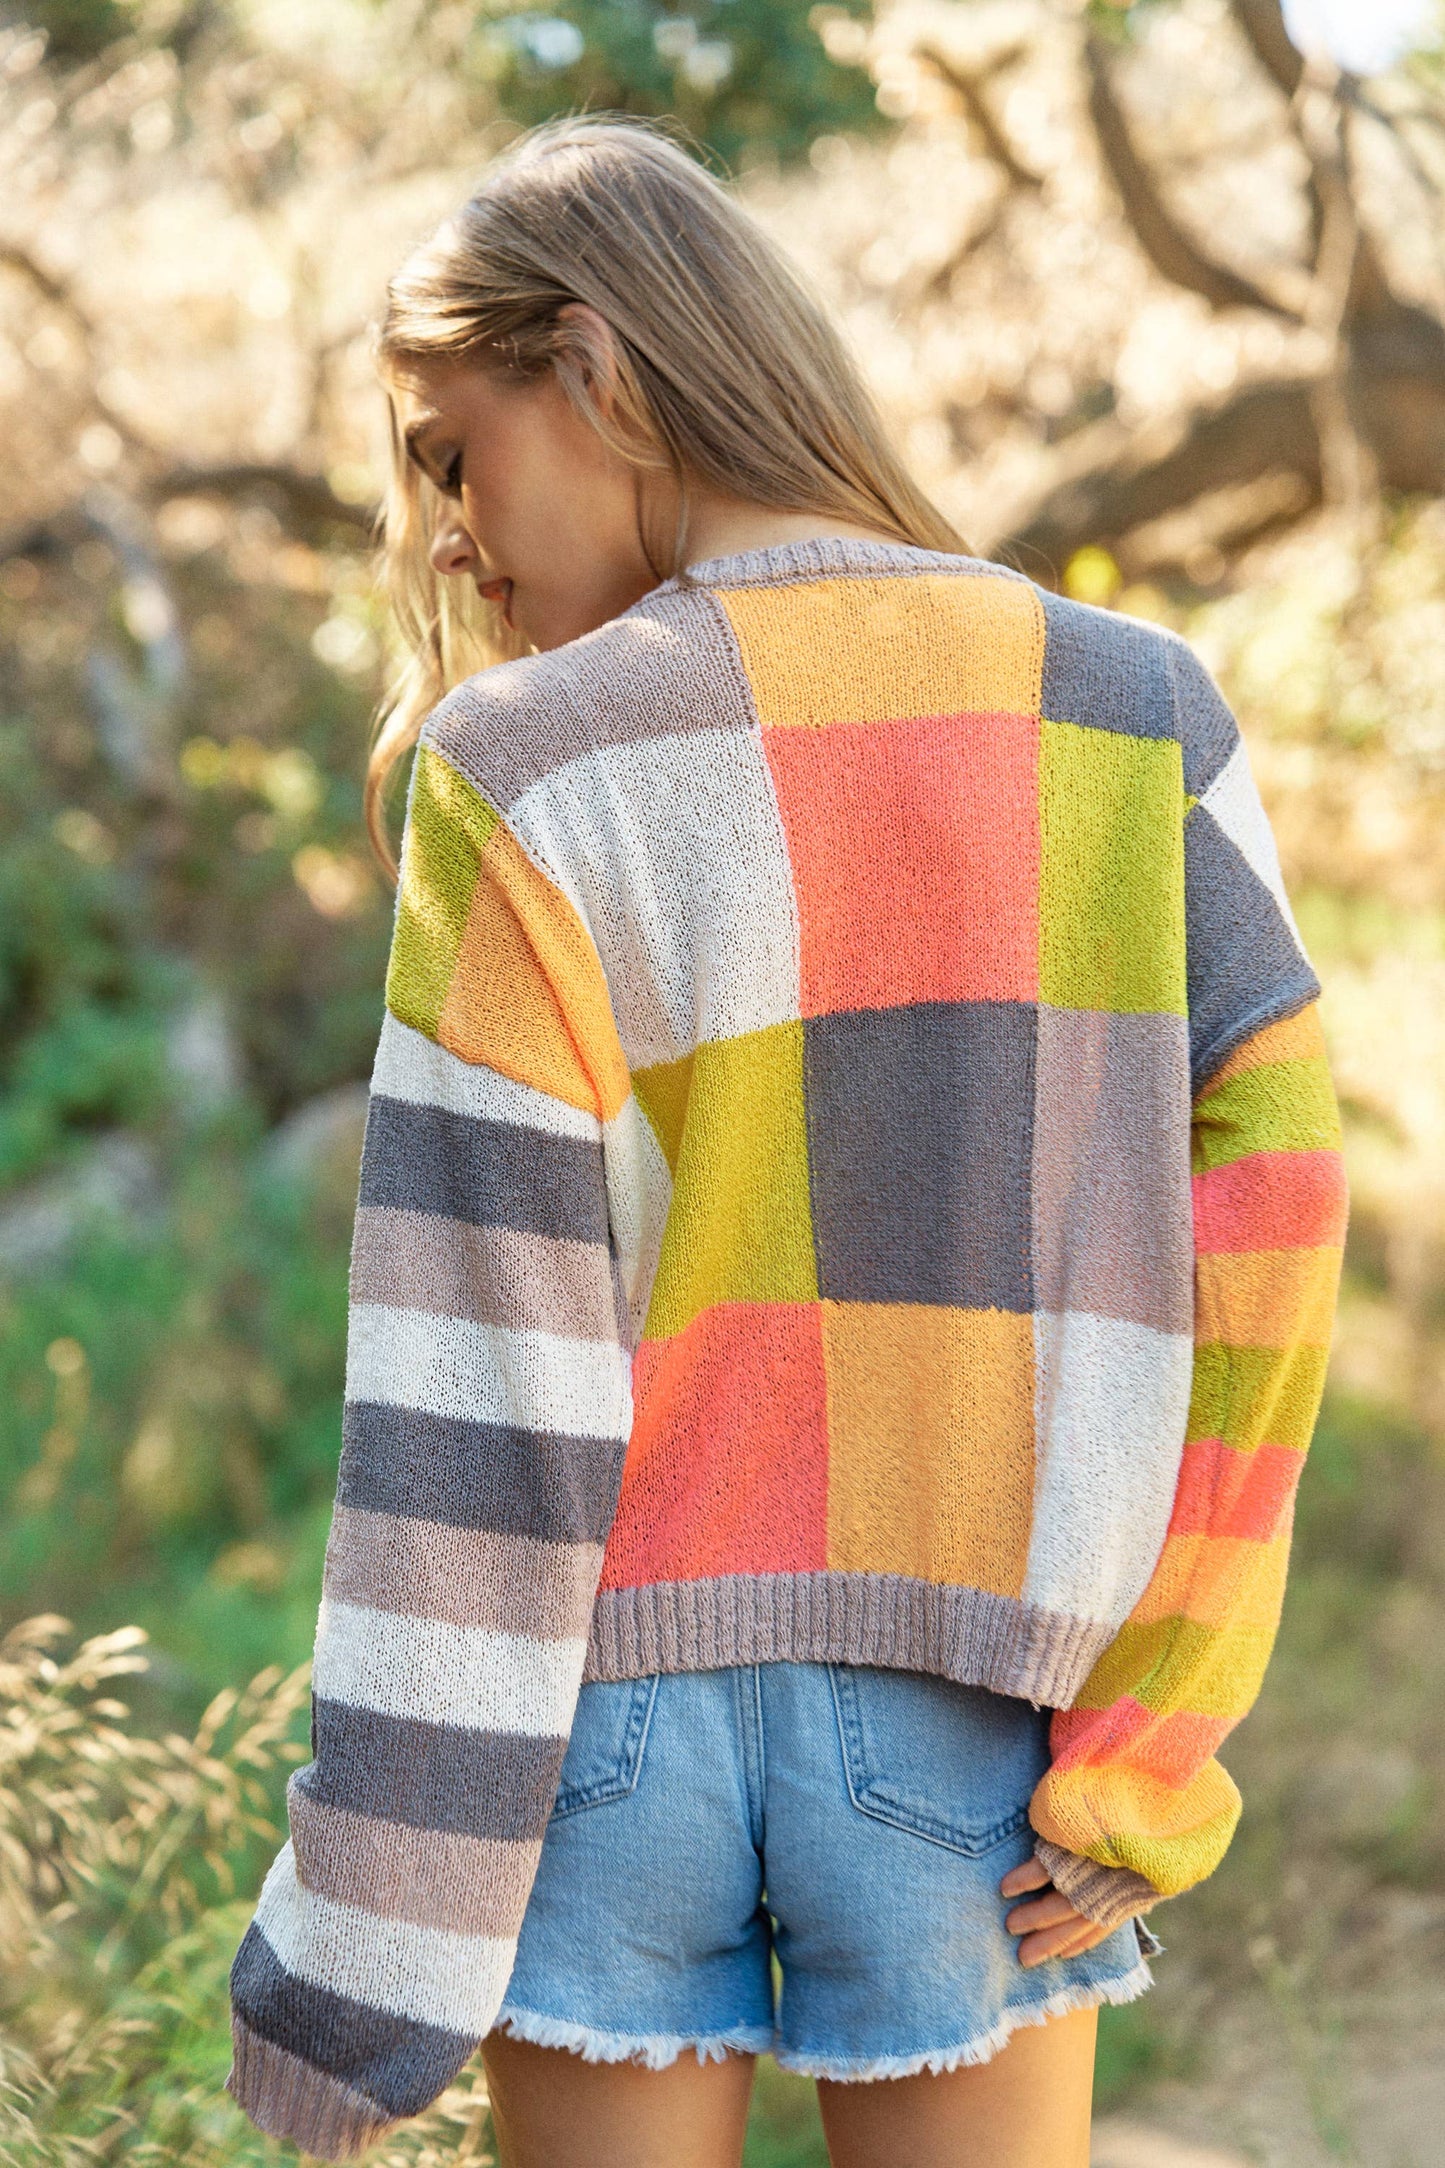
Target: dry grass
[[121, 1856]]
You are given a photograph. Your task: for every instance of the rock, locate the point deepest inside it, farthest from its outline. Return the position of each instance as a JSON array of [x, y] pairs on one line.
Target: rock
[[117, 1178], [320, 1143], [202, 1054]]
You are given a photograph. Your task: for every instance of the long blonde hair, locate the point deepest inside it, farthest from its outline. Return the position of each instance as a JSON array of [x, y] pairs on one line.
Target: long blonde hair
[[728, 372]]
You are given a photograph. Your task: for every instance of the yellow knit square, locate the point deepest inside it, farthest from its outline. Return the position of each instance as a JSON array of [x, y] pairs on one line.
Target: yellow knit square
[[931, 1442], [739, 1228], [872, 650]]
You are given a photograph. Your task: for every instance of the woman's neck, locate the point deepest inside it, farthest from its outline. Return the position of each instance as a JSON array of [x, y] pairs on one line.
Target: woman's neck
[[724, 527]]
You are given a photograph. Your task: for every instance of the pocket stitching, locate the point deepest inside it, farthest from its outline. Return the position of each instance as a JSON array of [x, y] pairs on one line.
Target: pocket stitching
[[873, 1799], [625, 1777]]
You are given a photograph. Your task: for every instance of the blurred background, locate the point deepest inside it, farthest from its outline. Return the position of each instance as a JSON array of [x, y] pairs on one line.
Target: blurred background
[[1154, 296]]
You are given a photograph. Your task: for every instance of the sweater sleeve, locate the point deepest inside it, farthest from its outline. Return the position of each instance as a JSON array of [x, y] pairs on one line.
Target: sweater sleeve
[[487, 1407], [1135, 1805]]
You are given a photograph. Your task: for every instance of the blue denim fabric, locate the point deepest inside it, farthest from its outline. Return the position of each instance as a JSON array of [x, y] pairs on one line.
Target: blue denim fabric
[[853, 1820]]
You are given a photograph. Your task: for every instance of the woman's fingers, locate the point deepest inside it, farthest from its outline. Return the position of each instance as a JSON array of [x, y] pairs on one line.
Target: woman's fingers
[[1029, 1874], [1048, 1926], [1064, 1940], [1051, 1910]]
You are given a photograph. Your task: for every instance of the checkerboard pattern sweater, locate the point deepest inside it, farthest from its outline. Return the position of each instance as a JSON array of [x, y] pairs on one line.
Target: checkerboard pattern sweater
[[851, 1173]]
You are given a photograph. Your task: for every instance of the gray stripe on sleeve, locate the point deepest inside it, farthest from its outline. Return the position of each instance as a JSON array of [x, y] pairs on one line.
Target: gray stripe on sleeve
[[1244, 969], [432, 1776], [478, 1475], [399, 2062], [424, 1159]]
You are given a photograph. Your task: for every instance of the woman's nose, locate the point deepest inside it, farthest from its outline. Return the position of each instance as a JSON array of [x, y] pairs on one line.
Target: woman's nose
[[452, 547]]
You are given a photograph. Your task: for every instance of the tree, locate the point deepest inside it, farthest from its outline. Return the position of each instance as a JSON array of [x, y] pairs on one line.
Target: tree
[[1361, 403]]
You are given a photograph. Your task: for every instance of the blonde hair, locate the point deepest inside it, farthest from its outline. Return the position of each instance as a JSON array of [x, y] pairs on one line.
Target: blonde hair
[[727, 372]]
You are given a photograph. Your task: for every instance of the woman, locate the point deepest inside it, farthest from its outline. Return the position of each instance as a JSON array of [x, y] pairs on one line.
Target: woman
[[848, 1230]]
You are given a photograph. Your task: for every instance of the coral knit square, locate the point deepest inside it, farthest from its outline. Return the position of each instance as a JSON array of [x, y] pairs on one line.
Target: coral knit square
[[727, 1465], [915, 854]]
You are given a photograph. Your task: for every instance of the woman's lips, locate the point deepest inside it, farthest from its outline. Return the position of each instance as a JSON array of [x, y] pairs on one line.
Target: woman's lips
[[499, 591]]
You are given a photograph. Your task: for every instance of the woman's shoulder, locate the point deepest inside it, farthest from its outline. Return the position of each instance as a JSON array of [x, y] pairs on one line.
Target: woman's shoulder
[[659, 667]]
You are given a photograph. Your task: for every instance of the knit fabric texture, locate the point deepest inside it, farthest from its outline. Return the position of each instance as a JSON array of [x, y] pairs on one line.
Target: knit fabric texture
[[851, 1173]]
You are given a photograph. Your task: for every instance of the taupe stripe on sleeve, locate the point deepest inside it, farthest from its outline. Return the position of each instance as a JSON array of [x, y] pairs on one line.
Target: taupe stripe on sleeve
[[495, 1275], [465, 1576], [437, 1878]]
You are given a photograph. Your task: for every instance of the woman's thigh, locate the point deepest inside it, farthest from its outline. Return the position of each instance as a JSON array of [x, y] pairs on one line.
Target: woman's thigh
[[1029, 2107], [550, 2109]]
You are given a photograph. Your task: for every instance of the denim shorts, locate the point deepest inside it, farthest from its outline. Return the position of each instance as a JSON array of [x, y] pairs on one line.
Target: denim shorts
[[802, 1858]]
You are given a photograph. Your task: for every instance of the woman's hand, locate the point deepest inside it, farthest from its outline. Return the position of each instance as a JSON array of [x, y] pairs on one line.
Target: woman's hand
[[1050, 1926]]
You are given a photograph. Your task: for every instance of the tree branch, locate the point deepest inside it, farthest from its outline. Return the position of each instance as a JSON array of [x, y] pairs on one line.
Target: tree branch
[[1170, 249], [1142, 475], [50, 288], [1427, 181], [1262, 22], [970, 92], [309, 500]]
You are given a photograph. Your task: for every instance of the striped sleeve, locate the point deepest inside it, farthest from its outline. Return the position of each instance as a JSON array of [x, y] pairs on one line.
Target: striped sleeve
[[487, 1407], [1135, 1805]]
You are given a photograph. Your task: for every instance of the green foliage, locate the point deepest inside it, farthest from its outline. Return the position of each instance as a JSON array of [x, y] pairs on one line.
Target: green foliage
[[747, 78], [83, 990], [744, 76], [1366, 1464], [174, 1418], [1135, 2046], [1120, 22], [785, 2129]]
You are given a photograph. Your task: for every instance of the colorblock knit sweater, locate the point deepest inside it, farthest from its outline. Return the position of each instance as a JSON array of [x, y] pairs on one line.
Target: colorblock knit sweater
[[851, 1173]]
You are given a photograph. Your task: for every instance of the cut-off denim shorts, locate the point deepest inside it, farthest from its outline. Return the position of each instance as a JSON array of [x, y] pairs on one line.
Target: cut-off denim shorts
[[836, 1831]]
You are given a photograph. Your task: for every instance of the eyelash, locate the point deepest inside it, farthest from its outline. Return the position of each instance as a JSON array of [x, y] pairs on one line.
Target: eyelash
[[451, 480]]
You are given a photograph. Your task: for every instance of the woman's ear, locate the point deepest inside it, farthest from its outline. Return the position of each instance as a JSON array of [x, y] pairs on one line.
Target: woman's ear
[[592, 348]]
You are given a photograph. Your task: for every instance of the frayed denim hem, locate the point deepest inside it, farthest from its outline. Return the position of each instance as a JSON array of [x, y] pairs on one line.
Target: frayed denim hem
[[849, 2069], [653, 2050]]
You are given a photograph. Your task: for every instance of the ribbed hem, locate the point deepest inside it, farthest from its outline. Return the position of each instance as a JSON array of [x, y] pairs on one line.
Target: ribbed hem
[[846, 1618], [1106, 1895], [288, 2097], [825, 557]]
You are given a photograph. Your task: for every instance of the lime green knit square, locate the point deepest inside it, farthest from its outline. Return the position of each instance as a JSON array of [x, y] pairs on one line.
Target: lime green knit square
[[1252, 1396], [1149, 1662], [1282, 1106], [448, 825], [1111, 877], [739, 1228]]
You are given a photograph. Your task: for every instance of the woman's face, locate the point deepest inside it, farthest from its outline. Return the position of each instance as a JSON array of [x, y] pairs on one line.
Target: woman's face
[[537, 511]]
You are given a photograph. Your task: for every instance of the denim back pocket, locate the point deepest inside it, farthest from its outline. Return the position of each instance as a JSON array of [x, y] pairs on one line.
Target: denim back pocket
[[955, 1764], [604, 1751]]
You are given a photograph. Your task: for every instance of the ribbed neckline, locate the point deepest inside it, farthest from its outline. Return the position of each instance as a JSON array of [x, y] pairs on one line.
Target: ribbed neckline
[[815, 558]]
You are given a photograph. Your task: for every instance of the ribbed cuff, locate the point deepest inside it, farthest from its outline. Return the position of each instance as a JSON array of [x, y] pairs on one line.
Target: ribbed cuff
[[289, 2098], [1106, 1895]]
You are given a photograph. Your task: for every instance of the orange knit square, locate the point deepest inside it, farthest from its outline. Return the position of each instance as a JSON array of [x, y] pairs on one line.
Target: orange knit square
[[932, 1464]]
